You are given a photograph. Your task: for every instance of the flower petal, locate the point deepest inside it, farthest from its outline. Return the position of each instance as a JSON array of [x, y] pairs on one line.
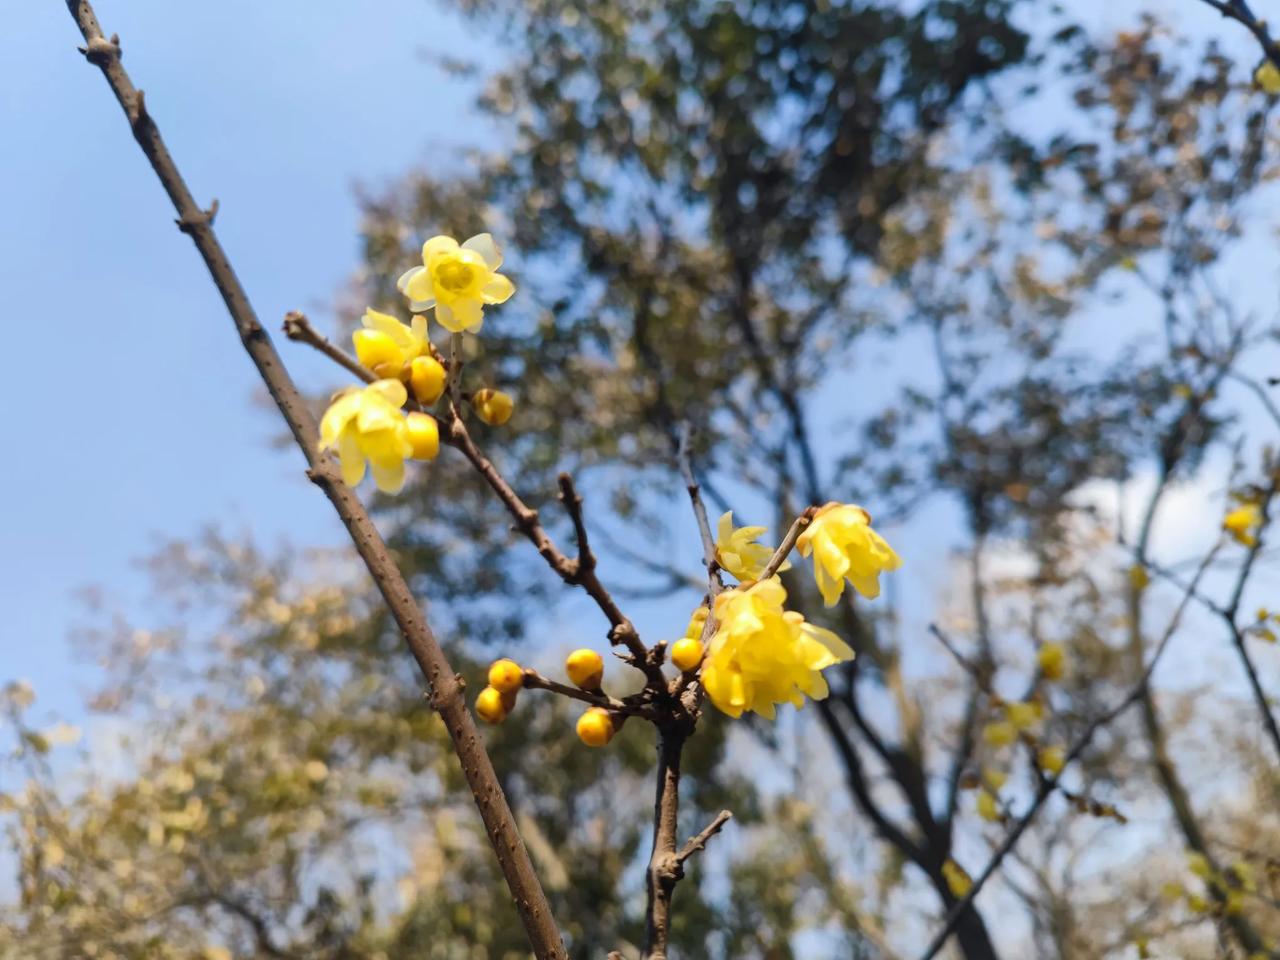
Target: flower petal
[[403, 283], [388, 474], [436, 246], [498, 290], [483, 244], [351, 458]]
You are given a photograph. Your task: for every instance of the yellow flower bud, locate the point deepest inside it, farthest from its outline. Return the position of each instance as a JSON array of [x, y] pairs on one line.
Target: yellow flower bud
[[994, 779], [424, 434], [378, 352], [988, 807], [490, 706], [493, 406], [1052, 759], [585, 669], [427, 376], [1052, 661], [1198, 903], [1198, 864], [958, 880], [505, 676], [696, 622], [595, 727], [1024, 716], [686, 654], [999, 734]]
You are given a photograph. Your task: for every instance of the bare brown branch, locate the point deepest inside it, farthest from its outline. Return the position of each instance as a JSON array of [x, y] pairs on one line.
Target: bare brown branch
[[446, 688]]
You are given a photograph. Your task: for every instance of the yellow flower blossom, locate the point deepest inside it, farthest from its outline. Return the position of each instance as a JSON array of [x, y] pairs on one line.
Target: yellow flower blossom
[[385, 345], [958, 880], [1052, 759], [1198, 864], [995, 779], [458, 280], [1024, 716], [845, 547], [493, 406], [988, 806], [368, 424], [762, 655], [738, 552], [1243, 522], [999, 733], [1052, 661], [1267, 77]]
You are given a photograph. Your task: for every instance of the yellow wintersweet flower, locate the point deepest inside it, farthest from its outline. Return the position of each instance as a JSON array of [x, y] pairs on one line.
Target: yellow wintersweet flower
[[958, 880], [368, 424], [988, 806], [738, 552], [762, 655], [1267, 77], [458, 281], [845, 547], [385, 345], [493, 406], [1243, 523], [1052, 661], [1051, 759]]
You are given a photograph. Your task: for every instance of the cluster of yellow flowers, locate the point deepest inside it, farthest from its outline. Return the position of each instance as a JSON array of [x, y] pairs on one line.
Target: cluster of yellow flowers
[[754, 654], [761, 654], [1020, 720], [1225, 890], [369, 424]]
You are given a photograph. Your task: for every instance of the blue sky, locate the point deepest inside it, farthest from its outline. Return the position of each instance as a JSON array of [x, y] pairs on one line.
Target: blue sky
[[138, 416]]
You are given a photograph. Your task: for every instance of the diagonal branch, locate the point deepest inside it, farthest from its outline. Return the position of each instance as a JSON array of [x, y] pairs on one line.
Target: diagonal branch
[[454, 433], [446, 687]]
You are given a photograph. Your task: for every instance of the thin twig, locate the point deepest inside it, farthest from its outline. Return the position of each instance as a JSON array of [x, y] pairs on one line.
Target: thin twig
[[597, 698], [788, 543], [445, 686], [700, 840], [685, 460], [1238, 10], [299, 329], [1048, 786]]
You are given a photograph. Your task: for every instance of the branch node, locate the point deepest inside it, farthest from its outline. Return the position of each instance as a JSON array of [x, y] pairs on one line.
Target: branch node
[[699, 841], [204, 218], [100, 51], [138, 109]]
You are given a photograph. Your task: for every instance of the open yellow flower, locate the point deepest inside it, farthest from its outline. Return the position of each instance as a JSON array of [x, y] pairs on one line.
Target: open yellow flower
[[1243, 523], [762, 655], [844, 547], [368, 424], [458, 280], [385, 345], [738, 552]]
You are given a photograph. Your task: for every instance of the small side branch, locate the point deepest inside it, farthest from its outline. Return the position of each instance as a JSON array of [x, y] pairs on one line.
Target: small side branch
[[684, 458], [788, 543], [597, 698], [299, 329], [699, 842]]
